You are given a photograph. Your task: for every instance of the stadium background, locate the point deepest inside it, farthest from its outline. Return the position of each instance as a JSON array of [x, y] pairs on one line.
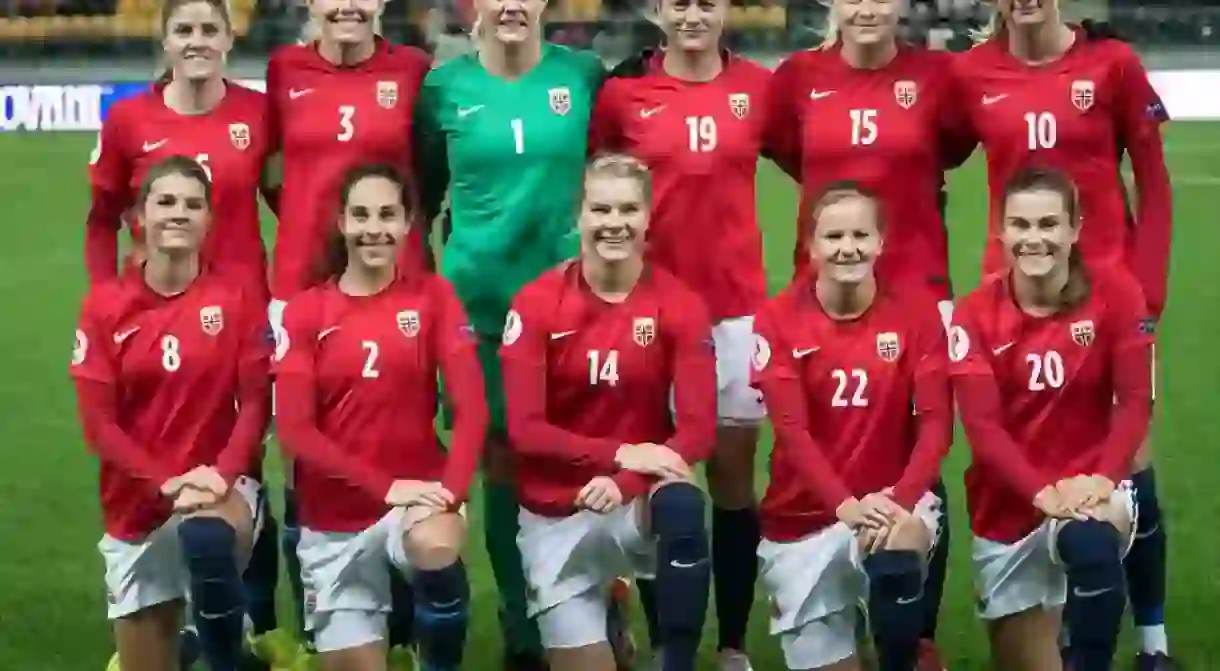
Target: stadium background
[[51, 596]]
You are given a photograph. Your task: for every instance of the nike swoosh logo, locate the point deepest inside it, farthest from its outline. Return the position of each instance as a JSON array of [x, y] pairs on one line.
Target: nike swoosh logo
[[326, 332], [802, 353], [465, 111], [991, 100], [904, 601], [818, 95], [293, 94], [561, 334], [644, 114], [677, 564], [120, 337], [153, 146], [1002, 348], [1088, 594]]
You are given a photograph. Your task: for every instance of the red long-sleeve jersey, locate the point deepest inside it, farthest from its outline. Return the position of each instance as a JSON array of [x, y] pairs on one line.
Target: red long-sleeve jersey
[[165, 384], [1047, 398], [356, 385], [1079, 113], [701, 141], [230, 142], [857, 405], [326, 120], [894, 129], [585, 376]]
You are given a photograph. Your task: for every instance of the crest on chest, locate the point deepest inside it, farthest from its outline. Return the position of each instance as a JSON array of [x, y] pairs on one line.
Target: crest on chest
[[561, 100], [408, 322], [739, 104], [387, 94], [1082, 332], [212, 320], [644, 331], [906, 93], [239, 135], [888, 347], [1083, 94]]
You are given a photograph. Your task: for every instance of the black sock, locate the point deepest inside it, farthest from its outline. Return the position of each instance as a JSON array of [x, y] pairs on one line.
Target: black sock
[[1145, 564], [292, 564], [683, 572], [402, 610], [209, 549], [735, 536], [1090, 552], [442, 602], [648, 604], [895, 608], [262, 575], [934, 578]]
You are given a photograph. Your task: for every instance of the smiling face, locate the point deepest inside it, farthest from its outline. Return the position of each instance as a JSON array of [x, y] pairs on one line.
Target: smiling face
[[374, 222], [866, 22], [1039, 232], [346, 22], [847, 239], [1029, 12], [196, 39], [614, 217], [175, 214], [510, 21], [693, 25]]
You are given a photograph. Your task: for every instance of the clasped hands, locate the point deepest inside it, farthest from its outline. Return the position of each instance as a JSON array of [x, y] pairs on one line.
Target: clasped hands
[[1076, 498], [873, 517], [199, 488], [602, 494]]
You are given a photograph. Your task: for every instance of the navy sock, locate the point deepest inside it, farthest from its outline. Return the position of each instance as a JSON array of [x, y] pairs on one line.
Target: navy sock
[[1145, 564], [683, 572], [934, 579], [262, 574], [895, 608], [402, 610], [735, 536], [209, 549], [1090, 552], [648, 604], [441, 612], [292, 563]]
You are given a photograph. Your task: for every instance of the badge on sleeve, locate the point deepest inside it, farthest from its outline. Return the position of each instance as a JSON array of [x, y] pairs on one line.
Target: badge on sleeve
[[281, 342], [762, 353], [80, 349], [959, 343], [512, 327]]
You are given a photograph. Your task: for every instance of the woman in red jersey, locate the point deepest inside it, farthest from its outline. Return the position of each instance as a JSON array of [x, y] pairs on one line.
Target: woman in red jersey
[[867, 107], [1052, 373], [695, 114], [172, 382], [593, 351], [1038, 89], [843, 358], [358, 359]]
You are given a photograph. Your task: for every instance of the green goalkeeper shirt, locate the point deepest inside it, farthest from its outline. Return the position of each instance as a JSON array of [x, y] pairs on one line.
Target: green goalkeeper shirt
[[511, 154]]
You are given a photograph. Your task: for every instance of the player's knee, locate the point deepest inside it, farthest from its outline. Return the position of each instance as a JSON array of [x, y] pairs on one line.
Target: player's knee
[[435, 542], [909, 533], [677, 513], [1089, 546]]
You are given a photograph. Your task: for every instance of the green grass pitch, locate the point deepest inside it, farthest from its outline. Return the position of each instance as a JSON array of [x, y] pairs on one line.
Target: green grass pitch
[[51, 596]]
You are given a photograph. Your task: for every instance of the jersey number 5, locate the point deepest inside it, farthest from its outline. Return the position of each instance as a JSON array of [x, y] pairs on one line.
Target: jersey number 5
[[603, 369]]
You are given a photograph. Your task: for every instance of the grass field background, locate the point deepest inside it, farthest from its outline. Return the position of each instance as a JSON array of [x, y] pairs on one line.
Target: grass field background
[[51, 597]]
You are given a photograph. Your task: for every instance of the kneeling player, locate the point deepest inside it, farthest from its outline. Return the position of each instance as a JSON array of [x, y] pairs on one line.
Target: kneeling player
[[841, 362], [591, 352], [358, 360], [171, 376], [1041, 356]]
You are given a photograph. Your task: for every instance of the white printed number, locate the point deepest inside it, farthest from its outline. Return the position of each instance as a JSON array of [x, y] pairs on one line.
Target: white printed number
[[1042, 130], [370, 359], [171, 355], [1045, 371], [202, 160], [347, 126], [702, 132], [518, 135], [603, 369], [844, 395], [863, 126]]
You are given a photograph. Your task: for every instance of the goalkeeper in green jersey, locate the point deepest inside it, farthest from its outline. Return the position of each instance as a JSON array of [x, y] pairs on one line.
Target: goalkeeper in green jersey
[[503, 131]]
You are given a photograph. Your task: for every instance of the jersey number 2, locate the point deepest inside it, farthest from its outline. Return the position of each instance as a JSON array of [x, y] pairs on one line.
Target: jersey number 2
[[370, 359], [845, 396], [603, 369]]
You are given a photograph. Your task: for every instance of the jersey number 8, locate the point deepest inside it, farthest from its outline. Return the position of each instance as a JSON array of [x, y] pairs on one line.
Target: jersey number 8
[[171, 356]]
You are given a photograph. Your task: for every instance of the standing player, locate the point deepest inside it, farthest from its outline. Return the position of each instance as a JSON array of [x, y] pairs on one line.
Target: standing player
[[343, 97], [503, 130], [694, 114], [1052, 376], [194, 111], [592, 350], [867, 107], [1040, 90], [358, 358], [171, 378], [842, 360]]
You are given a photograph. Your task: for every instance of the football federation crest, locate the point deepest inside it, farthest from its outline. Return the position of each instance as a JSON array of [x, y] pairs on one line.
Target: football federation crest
[[80, 349], [212, 320], [959, 343], [739, 103], [408, 322], [762, 353], [644, 331], [1082, 333], [239, 135], [905, 93], [512, 328], [887, 346], [561, 100], [387, 94], [1083, 94]]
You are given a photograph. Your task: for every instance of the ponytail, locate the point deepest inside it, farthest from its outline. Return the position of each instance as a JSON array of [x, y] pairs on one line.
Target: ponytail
[[333, 262], [1078, 286]]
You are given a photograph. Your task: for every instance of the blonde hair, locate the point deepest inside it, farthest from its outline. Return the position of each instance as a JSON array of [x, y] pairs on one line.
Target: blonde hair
[[830, 36], [621, 166], [312, 30], [995, 27]]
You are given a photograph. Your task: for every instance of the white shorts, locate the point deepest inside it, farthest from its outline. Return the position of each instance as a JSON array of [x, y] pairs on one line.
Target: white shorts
[[1015, 577], [142, 574], [568, 563], [815, 585], [738, 402], [346, 579]]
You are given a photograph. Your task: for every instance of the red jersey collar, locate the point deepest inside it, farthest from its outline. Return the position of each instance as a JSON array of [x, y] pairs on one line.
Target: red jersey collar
[[656, 64], [380, 49], [158, 92]]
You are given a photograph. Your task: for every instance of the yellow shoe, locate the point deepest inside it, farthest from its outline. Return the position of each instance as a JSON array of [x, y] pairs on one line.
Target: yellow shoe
[[403, 659], [113, 665], [278, 647]]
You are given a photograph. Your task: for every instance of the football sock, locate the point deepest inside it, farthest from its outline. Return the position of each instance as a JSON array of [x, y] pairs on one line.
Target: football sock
[[1090, 552], [292, 563], [683, 572], [934, 579], [401, 620], [1145, 566], [735, 536], [895, 608], [209, 548], [441, 614], [262, 574], [648, 604], [500, 533]]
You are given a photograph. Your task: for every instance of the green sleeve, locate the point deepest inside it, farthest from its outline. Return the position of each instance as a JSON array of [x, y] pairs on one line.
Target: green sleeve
[[431, 156]]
